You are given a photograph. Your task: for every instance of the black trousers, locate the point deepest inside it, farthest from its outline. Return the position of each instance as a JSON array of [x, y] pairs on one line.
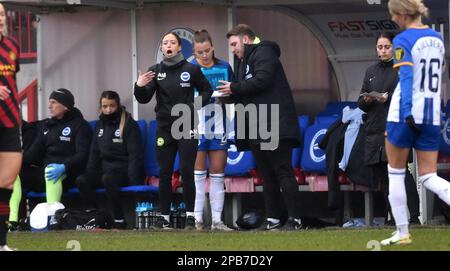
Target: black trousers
[[33, 179], [165, 154], [111, 181], [381, 173], [276, 170]]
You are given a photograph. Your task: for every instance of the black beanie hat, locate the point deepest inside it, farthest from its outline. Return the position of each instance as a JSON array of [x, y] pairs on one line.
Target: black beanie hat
[[64, 97]]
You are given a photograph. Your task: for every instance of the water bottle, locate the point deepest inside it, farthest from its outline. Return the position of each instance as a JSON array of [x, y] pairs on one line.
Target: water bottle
[[138, 216], [146, 216], [173, 219], [182, 215], [151, 215]]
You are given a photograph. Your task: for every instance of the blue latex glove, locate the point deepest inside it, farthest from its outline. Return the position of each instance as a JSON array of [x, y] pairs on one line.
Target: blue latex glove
[[55, 171]]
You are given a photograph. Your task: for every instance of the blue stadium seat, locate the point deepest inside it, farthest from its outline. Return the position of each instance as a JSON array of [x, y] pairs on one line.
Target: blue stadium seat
[[444, 144], [326, 119], [140, 188], [313, 158], [303, 122], [336, 107], [93, 124], [296, 156], [446, 106], [74, 191], [143, 128], [32, 194], [69, 193], [151, 163], [239, 163]]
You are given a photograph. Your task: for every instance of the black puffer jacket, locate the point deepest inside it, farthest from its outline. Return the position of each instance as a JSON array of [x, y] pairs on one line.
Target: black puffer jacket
[[109, 152], [261, 81], [65, 141], [380, 77]]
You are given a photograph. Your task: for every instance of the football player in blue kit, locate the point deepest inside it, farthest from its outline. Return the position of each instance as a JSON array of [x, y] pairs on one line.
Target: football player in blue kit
[[414, 114], [213, 142]]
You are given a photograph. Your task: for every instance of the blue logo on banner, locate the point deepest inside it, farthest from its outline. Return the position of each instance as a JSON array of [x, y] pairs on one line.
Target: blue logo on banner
[[317, 154]]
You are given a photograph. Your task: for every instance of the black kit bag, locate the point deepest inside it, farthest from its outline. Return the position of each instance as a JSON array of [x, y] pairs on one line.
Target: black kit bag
[[73, 219], [250, 220]]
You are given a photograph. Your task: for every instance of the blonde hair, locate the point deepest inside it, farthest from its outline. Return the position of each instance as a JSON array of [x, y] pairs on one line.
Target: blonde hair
[[413, 8]]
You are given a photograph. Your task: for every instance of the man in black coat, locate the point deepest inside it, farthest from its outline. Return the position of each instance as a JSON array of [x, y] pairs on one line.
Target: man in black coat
[[61, 148], [261, 82]]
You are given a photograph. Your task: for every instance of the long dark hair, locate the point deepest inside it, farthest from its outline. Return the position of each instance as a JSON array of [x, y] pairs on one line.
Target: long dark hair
[[175, 34], [110, 95], [203, 35], [387, 35]]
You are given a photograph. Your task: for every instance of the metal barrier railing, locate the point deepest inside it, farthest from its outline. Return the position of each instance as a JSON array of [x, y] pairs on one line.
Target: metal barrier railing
[[23, 28], [30, 95]]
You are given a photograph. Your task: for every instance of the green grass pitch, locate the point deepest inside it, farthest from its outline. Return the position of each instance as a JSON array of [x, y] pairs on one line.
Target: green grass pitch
[[330, 239]]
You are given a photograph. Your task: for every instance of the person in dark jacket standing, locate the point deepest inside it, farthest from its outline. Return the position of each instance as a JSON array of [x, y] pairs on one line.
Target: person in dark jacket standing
[[175, 83], [116, 157], [381, 77], [261, 81], [61, 148]]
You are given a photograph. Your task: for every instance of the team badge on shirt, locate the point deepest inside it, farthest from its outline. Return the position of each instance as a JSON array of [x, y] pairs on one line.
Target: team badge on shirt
[[399, 53], [117, 134], [185, 76], [65, 134], [159, 141], [12, 55], [66, 131]]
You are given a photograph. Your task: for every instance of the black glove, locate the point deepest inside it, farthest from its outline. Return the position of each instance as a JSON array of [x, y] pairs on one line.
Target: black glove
[[412, 124]]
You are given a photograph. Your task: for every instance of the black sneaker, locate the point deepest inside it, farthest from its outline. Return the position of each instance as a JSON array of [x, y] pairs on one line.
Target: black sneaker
[[292, 225], [389, 223], [269, 226], [120, 225], [190, 223], [162, 224], [414, 221], [13, 226]]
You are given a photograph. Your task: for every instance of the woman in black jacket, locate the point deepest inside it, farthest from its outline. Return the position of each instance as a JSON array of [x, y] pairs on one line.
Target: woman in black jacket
[[116, 157], [175, 83], [60, 150], [382, 78]]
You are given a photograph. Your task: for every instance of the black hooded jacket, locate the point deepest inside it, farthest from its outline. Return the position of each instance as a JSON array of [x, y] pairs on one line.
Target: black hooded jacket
[[173, 85], [65, 141], [261, 81], [380, 77], [110, 152]]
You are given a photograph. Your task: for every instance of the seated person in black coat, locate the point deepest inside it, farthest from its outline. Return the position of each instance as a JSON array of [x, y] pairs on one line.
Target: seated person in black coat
[[116, 157], [60, 151]]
